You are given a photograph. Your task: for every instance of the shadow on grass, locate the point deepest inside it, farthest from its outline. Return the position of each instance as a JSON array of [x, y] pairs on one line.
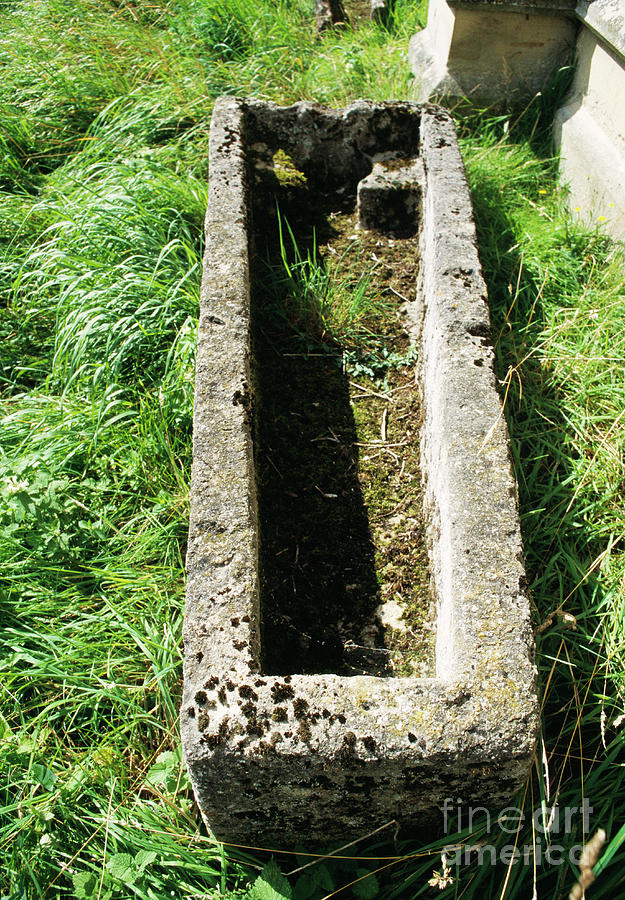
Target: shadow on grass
[[562, 547]]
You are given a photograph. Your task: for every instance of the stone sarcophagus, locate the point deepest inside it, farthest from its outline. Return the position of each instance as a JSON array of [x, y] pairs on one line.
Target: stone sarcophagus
[[286, 756]]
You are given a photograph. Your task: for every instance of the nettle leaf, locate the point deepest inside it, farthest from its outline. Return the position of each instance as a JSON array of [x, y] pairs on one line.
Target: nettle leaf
[[76, 778], [26, 744], [163, 772], [85, 885], [301, 856], [24, 504], [6, 734], [144, 858], [368, 888], [167, 773], [324, 879], [43, 776], [122, 868], [312, 881], [271, 885]]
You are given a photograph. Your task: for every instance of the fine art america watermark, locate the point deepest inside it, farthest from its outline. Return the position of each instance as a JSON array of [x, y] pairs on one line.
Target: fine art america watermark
[[549, 825]]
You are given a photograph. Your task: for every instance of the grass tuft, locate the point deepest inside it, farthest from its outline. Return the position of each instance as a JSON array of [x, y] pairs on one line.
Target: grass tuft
[[333, 303]]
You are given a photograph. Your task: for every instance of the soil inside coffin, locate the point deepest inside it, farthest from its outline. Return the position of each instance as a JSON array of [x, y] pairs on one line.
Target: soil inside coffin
[[343, 561]]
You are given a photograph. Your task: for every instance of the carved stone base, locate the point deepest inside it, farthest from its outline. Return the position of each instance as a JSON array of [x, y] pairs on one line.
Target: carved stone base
[[491, 52], [589, 129]]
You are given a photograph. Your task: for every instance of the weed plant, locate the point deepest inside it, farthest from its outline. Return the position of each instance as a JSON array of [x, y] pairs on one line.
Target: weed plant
[[104, 114], [333, 303]]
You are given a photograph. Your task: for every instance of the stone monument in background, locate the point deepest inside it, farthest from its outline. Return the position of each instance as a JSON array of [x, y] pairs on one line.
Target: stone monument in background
[[503, 52]]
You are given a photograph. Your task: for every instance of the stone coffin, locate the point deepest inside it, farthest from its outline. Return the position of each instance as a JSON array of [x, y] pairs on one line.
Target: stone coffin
[[305, 759]]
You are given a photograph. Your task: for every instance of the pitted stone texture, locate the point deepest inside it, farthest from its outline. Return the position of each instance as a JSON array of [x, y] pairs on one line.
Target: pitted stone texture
[[222, 578], [334, 148], [312, 758]]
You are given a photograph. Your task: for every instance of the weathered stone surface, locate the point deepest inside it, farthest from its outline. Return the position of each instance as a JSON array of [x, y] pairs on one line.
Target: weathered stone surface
[[389, 199], [491, 51], [310, 758], [589, 128], [606, 18], [502, 51]]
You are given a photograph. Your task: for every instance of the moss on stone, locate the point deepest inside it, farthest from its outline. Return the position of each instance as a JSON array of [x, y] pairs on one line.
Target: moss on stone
[[286, 171]]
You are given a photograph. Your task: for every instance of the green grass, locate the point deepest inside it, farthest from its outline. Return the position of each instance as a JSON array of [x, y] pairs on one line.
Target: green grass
[[104, 115], [331, 303]]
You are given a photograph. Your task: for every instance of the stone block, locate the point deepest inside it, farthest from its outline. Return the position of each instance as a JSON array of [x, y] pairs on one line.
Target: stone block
[[309, 758], [389, 199], [589, 128], [491, 51]]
